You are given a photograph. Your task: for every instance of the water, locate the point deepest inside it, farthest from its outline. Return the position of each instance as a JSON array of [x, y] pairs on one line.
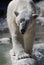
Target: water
[[5, 58]]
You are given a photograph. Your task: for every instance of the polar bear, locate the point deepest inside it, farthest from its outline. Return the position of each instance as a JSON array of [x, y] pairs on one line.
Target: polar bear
[[21, 15]]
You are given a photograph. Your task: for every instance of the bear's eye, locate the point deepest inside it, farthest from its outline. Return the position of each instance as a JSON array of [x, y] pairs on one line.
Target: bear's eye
[[22, 20], [16, 13]]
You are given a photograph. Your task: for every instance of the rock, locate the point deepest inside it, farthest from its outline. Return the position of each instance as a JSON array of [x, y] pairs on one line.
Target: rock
[[3, 25], [5, 40], [27, 61], [41, 6], [40, 20], [38, 53]]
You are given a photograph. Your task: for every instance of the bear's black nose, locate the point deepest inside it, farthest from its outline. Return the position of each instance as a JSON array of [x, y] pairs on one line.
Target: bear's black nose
[[22, 31]]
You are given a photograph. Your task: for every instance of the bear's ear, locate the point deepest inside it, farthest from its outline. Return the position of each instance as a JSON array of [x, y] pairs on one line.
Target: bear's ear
[[16, 13], [34, 15]]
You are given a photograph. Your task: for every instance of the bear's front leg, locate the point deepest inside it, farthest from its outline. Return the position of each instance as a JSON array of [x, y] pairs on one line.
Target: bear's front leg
[[18, 50]]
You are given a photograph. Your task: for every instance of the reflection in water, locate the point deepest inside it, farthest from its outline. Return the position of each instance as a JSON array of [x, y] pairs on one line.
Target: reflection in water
[[5, 58], [2, 59]]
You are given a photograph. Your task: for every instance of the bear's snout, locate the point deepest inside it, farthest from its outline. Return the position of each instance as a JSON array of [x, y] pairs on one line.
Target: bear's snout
[[23, 27], [22, 31]]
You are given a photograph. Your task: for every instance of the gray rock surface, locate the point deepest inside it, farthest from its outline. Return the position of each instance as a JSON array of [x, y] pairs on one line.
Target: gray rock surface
[[3, 25], [38, 53], [27, 61], [5, 41], [41, 6]]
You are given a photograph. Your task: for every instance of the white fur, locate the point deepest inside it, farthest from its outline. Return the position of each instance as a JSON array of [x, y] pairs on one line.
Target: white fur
[[17, 38]]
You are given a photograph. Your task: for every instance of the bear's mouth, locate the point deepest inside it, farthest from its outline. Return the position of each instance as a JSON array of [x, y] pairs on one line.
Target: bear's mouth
[[23, 28], [23, 31]]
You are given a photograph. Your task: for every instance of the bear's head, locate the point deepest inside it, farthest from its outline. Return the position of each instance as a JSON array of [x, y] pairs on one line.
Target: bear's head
[[24, 18]]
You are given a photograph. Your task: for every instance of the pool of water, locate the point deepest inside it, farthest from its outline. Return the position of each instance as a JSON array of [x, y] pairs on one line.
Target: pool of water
[[5, 58]]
